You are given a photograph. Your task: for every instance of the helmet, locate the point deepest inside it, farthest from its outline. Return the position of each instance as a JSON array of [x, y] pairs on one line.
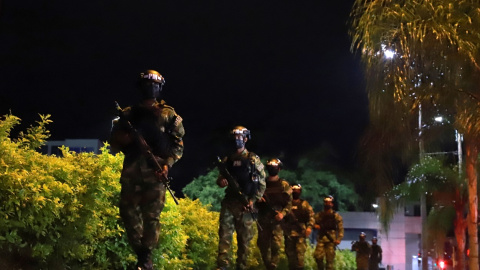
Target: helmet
[[152, 75], [362, 235], [274, 166], [241, 130], [296, 191], [329, 198], [275, 162], [297, 187], [150, 84]]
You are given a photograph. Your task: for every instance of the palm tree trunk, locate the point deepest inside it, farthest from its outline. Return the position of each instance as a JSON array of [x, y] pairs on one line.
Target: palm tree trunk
[[471, 173]]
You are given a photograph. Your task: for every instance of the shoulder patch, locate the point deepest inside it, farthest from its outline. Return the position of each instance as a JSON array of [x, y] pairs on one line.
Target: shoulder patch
[[178, 120], [260, 167]]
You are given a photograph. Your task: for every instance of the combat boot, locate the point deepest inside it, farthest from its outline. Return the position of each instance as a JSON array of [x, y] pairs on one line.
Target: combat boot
[[144, 260]]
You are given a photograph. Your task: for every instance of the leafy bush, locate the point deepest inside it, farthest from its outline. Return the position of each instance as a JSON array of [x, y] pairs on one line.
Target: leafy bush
[[61, 213]]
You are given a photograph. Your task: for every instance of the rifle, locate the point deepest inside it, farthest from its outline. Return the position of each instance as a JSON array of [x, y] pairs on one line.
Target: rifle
[[323, 232], [147, 151], [233, 185]]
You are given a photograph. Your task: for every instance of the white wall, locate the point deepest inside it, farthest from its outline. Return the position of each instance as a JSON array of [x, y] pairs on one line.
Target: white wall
[[398, 249]]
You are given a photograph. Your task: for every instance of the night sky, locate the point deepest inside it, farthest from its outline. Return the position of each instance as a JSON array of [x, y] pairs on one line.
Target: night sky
[[282, 69]]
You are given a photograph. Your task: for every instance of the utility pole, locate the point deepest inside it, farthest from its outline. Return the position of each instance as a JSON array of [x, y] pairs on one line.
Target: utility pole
[[423, 198]]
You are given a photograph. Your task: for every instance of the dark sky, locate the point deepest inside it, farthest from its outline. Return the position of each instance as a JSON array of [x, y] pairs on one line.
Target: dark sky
[[282, 69]]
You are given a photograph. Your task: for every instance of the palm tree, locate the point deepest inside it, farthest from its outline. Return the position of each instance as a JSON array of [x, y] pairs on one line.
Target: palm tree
[[433, 48]]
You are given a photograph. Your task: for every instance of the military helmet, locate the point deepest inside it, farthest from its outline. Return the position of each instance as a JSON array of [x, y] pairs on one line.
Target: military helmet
[[297, 187], [329, 198], [241, 130], [275, 162], [362, 235], [152, 75]]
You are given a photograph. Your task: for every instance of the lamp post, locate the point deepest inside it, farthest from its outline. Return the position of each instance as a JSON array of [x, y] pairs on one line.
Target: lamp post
[[423, 198]]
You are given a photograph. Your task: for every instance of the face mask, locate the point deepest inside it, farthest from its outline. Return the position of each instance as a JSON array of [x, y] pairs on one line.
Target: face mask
[[327, 207], [272, 171], [296, 195], [239, 143], [150, 90]]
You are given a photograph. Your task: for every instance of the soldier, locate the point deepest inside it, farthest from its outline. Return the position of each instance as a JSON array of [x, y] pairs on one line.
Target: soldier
[[247, 169], [142, 196], [298, 226], [363, 250], [376, 256], [330, 226], [272, 208]]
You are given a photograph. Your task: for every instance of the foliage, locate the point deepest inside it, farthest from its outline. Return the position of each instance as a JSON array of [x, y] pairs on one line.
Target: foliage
[[316, 185], [57, 211], [204, 188], [61, 213], [433, 65], [345, 259], [201, 226], [430, 176]]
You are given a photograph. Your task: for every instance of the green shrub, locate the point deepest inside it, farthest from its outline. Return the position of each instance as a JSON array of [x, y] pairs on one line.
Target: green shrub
[[61, 213]]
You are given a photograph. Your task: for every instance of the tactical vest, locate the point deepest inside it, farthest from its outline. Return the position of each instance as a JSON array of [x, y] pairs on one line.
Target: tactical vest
[[362, 248], [328, 221], [242, 169], [152, 127], [375, 252], [275, 194], [298, 211]]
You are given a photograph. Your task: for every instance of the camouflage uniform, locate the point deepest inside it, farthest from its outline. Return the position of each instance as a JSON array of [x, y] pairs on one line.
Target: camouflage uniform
[[375, 257], [295, 226], [142, 196], [331, 223], [244, 167], [363, 250], [278, 199]]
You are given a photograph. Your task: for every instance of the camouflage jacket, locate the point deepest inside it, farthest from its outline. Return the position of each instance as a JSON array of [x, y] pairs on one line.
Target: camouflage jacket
[[335, 224], [300, 218], [278, 198], [362, 248], [161, 127], [257, 175]]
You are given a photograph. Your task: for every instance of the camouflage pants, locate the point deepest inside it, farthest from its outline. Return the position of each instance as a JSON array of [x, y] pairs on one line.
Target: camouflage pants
[[232, 217], [325, 250], [269, 242], [295, 247], [140, 208], [362, 262], [373, 264]]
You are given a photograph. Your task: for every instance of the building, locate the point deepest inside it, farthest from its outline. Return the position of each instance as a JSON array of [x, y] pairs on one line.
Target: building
[[400, 246], [76, 145]]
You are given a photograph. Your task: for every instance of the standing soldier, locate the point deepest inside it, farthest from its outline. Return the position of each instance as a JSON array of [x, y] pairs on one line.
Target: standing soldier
[[376, 256], [247, 171], [363, 250], [272, 208], [298, 226], [330, 226], [142, 196]]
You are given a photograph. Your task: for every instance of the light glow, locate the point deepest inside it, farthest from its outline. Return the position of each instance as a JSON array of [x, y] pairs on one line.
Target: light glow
[[389, 54]]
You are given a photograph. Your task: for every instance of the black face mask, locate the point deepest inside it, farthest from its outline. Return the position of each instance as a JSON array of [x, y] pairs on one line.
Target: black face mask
[[150, 89], [327, 207], [273, 171], [239, 143], [296, 195]]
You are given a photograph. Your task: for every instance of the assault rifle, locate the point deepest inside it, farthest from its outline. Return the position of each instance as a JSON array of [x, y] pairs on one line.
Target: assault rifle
[[233, 185], [147, 151], [323, 232]]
